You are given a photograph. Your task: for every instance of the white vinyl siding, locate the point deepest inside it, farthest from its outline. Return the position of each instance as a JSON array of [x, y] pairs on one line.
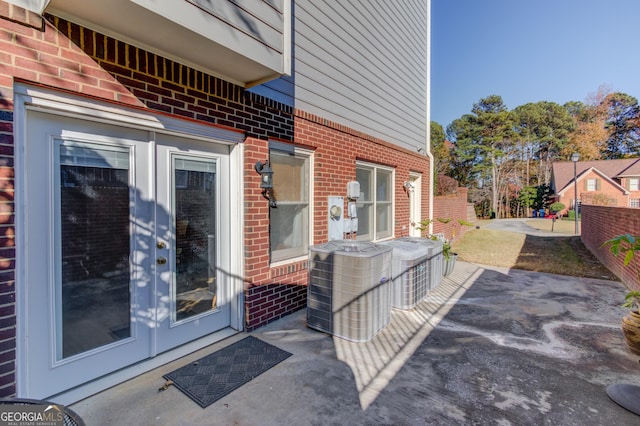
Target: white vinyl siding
[[280, 90], [364, 64], [260, 20], [242, 41]]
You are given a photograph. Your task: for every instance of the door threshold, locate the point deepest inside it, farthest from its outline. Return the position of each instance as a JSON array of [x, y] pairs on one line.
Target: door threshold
[[95, 386]]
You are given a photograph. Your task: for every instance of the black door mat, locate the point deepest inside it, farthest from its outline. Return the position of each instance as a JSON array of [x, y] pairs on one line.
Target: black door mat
[[215, 375]]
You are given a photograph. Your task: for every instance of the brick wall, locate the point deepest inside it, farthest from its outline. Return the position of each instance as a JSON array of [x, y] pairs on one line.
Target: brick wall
[[601, 223], [62, 55], [607, 194], [454, 207], [55, 53], [336, 150]]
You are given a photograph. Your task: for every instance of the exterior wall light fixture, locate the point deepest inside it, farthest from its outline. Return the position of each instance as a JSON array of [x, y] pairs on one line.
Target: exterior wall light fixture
[[266, 181], [264, 169]]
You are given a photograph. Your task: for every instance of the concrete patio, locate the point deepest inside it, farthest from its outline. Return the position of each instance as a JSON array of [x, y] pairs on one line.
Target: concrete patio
[[488, 346]]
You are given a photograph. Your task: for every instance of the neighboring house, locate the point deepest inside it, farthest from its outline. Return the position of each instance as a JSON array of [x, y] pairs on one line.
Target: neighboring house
[[135, 228], [601, 182]]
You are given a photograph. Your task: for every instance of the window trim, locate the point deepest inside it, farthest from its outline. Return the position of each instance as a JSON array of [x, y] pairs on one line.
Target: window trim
[[374, 202], [307, 154], [591, 188]]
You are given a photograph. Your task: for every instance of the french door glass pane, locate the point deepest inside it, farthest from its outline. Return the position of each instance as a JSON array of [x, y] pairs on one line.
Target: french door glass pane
[[194, 201], [94, 196]]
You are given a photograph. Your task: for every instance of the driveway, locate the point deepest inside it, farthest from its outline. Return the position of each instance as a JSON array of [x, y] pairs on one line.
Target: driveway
[[488, 346], [520, 226]]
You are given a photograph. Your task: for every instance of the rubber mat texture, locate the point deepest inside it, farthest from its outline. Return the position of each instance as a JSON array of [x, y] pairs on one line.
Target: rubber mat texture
[[209, 378]]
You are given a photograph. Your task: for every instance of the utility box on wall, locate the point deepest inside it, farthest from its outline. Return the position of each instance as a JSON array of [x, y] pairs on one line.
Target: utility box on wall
[[336, 218]]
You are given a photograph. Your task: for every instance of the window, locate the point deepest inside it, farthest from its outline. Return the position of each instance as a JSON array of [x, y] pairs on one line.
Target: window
[[592, 184], [289, 222], [634, 184], [375, 205], [634, 202]]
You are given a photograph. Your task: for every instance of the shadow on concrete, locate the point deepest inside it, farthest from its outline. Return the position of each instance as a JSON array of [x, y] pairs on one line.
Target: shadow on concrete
[[487, 346]]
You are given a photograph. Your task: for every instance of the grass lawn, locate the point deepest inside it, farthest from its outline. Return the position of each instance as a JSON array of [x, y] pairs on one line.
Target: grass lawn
[[556, 255], [564, 226]]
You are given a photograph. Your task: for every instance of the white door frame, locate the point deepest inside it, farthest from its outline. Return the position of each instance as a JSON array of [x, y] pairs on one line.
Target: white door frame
[[415, 203], [53, 102]]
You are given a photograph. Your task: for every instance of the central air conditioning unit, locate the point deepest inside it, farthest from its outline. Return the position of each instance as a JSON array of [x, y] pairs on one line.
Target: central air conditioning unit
[[410, 280], [435, 258], [348, 291]]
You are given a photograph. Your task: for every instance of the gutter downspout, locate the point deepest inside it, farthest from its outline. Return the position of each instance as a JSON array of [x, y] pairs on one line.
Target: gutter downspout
[[428, 115]]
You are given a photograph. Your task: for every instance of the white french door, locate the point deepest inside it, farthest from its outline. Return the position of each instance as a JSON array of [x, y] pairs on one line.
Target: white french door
[[127, 247], [192, 254]]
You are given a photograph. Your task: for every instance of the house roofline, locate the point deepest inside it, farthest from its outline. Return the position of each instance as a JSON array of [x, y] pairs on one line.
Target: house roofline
[[581, 176]]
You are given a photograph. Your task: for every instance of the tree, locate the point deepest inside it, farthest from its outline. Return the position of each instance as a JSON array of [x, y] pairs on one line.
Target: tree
[[589, 137], [589, 140], [527, 197], [495, 137], [482, 140], [462, 132], [440, 150], [526, 119], [623, 117], [498, 154], [543, 129]]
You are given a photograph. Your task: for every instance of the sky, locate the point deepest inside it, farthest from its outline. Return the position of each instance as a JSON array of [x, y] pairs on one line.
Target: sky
[[530, 51]]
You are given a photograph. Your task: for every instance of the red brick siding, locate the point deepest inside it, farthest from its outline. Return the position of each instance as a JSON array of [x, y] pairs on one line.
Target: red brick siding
[[608, 193], [68, 57], [269, 302], [336, 150], [22, 16], [601, 223], [633, 195], [454, 207], [65, 56]]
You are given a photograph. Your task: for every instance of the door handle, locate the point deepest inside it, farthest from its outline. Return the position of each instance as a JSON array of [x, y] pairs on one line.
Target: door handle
[[161, 245], [161, 260]]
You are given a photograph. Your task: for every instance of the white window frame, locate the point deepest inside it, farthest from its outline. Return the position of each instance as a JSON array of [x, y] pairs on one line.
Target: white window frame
[[279, 257], [634, 184], [634, 203], [372, 234], [592, 184]]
